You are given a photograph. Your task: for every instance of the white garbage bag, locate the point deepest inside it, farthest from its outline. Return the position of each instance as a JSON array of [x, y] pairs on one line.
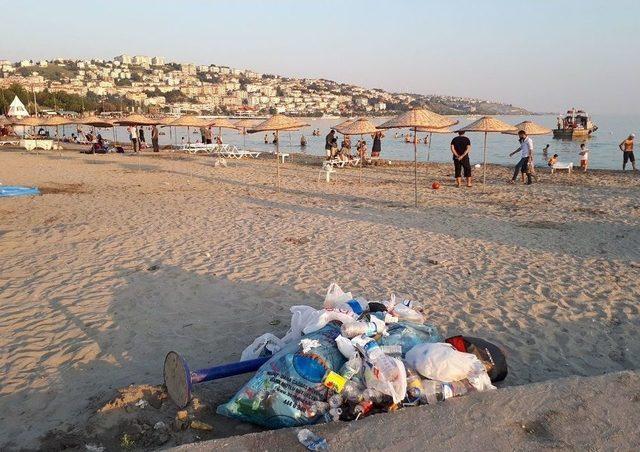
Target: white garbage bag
[[440, 361]]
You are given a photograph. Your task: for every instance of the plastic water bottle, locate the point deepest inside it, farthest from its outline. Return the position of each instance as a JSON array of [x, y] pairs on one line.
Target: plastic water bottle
[[436, 391], [373, 353], [347, 304], [385, 317], [372, 328], [353, 392], [352, 366], [312, 441]]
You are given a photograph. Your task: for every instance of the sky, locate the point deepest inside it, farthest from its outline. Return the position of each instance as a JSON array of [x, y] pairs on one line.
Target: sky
[[544, 55]]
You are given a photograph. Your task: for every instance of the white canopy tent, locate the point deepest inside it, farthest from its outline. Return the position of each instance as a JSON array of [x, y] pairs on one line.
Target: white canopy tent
[[17, 109]]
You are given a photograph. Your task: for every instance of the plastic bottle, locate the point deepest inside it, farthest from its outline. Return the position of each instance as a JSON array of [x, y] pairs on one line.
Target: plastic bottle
[[392, 350], [335, 401], [346, 303], [353, 392], [408, 314], [373, 353], [385, 317], [312, 441], [335, 414], [414, 381], [436, 391], [362, 409], [352, 367], [372, 328]]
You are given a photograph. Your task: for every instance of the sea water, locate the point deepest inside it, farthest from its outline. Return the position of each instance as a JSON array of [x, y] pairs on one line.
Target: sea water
[[603, 145]]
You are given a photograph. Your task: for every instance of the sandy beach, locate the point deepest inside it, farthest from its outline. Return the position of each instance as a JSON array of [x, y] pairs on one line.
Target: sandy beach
[[124, 258]]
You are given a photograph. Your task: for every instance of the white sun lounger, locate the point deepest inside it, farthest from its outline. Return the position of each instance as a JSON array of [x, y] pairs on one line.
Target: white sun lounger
[[562, 165], [9, 142]]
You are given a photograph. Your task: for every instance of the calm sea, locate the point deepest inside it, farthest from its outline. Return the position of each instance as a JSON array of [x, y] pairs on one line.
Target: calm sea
[[603, 145]]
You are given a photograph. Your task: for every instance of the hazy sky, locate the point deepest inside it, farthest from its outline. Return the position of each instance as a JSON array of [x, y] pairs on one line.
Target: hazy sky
[[545, 55]]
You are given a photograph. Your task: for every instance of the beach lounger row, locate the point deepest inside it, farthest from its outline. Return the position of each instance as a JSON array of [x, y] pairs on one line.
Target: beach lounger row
[[222, 150]]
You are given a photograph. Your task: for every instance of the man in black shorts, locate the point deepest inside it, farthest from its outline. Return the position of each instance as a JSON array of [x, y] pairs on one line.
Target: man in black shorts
[[460, 148]]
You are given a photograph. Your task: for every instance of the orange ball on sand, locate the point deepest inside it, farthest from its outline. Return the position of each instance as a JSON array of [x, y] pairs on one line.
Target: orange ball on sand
[[436, 185]]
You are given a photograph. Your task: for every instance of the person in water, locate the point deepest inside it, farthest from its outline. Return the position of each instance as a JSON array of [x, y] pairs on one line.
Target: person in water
[[303, 141]]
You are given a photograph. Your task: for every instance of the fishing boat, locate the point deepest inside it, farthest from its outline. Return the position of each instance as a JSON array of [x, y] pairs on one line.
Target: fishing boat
[[576, 124]]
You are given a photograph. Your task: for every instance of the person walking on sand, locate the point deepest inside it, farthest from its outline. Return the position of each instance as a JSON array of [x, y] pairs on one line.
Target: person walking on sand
[[154, 138], [133, 136], [460, 148], [627, 152], [526, 157]]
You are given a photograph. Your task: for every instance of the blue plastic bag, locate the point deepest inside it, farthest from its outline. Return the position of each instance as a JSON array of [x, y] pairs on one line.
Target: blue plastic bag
[[283, 391], [409, 334]]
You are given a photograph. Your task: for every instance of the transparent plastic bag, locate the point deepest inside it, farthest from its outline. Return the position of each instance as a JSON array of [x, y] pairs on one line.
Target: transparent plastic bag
[[284, 392]]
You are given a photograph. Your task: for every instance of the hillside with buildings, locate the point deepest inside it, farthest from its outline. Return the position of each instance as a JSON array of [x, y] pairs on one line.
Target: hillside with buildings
[[151, 84]]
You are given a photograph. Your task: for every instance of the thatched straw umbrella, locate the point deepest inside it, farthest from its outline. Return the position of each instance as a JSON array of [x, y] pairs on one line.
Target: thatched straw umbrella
[[361, 126], [343, 124], [57, 121], [243, 125], [221, 123], [530, 128], [4, 121], [275, 124], [487, 124], [414, 119], [189, 121], [431, 131], [29, 121]]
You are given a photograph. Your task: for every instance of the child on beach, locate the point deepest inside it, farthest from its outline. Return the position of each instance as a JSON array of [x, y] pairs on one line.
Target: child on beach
[[584, 157], [553, 160]]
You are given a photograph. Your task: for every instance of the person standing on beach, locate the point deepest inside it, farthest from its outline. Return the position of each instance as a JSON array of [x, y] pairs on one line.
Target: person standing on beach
[[376, 148], [133, 136], [627, 152], [526, 157], [154, 138], [329, 143], [460, 148]]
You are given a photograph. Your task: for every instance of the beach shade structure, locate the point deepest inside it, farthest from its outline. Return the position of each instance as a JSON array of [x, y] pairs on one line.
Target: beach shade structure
[[360, 126], [96, 121], [487, 124], [29, 121], [57, 121], [243, 125], [221, 123], [189, 121], [531, 128], [414, 119], [136, 120], [431, 131], [345, 123], [276, 124], [179, 379], [4, 121]]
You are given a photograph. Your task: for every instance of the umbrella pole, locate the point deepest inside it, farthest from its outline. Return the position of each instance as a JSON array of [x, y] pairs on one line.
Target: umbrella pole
[[429, 149], [361, 162], [277, 161], [244, 138], [58, 140], [415, 165], [484, 169]]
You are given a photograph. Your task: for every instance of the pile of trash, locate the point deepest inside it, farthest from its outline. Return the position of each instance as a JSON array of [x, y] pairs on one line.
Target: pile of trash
[[354, 358]]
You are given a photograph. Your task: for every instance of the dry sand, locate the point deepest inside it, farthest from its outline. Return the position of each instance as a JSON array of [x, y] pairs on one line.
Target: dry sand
[[124, 258]]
